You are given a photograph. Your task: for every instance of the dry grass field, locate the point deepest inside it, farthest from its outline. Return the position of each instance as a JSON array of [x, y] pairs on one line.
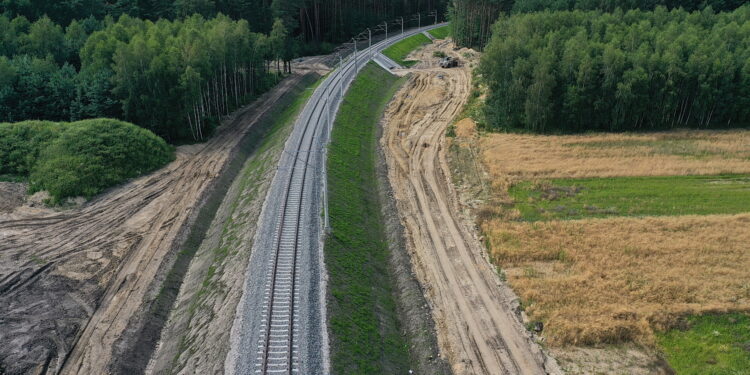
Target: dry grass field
[[621, 277], [512, 157], [615, 280]]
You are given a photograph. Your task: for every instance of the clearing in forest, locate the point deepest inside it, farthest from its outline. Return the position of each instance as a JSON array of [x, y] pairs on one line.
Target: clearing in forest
[[618, 238]]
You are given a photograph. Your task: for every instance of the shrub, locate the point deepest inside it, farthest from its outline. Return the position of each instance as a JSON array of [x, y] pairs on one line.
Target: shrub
[[81, 158], [21, 143]]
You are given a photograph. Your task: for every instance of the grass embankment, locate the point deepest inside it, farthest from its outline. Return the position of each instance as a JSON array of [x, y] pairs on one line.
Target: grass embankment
[[612, 238], [714, 344], [632, 196], [80, 158], [400, 50], [440, 32], [366, 338]]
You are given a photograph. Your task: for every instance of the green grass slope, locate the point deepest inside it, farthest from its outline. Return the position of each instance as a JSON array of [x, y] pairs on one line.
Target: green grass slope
[[400, 50], [711, 344], [632, 196], [80, 158], [440, 32], [366, 338]]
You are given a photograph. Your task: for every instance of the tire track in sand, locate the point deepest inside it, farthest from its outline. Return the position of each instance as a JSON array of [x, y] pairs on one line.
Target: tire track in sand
[[477, 329], [71, 282]]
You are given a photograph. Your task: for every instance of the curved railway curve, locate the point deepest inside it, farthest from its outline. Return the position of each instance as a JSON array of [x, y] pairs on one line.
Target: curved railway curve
[[279, 327]]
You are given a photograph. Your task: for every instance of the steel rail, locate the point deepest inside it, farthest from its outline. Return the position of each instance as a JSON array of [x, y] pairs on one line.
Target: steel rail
[[342, 75]]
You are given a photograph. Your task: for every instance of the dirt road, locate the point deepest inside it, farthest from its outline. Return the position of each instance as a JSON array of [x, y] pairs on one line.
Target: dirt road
[[73, 282], [477, 329]]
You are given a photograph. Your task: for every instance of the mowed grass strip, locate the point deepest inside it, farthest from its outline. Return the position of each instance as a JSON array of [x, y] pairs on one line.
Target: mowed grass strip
[[711, 344], [632, 196], [362, 315], [440, 32], [400, 50]]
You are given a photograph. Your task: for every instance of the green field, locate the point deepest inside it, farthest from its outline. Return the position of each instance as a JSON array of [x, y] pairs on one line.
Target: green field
[[632, 196], [400, 50], [440, 32], [712, 344], [366, 337]]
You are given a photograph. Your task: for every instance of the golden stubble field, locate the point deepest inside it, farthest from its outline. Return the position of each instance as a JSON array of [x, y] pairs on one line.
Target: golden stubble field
[[615, 280], [513, 157]]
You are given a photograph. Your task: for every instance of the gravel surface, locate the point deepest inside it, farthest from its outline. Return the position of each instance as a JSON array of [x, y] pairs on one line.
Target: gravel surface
[[249, 326]]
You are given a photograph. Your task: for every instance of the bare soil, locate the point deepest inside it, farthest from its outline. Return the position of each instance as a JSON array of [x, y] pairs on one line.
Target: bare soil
[[12, 195], [412, 304], [195, 339], [478, 329], [71, 282], [630, 359]]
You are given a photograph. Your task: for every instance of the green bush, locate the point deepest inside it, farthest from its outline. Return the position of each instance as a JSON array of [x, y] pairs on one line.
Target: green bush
[[81, 158], [21, 143]]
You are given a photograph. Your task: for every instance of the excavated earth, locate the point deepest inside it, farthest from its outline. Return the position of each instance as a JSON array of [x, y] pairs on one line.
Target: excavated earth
[[476, 315], [77, 286]]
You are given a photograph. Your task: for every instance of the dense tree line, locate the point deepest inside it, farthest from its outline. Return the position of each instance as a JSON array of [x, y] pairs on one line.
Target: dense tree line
[[338, 20], [172, 77], [471, 20], [575, 71], [312, 20], [522, 6], [80, 158], [256, 12]]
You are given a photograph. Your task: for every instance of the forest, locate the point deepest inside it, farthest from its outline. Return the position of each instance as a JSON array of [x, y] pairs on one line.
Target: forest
[[575, 71], [522, 6], [314, 21], [173, 67], [472, 20], [172, 77]]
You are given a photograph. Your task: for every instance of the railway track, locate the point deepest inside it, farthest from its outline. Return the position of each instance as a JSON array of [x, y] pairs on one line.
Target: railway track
[[277, 349], [280, 307]]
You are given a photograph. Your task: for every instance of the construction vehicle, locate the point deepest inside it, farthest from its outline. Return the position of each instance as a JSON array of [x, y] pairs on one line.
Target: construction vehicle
[[448, 62]]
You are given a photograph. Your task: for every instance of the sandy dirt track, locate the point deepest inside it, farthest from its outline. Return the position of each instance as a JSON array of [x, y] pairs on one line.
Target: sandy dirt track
[[477, 329], [70, 282]]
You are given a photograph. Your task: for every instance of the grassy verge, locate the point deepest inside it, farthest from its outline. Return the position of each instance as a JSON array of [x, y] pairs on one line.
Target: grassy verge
[[400, 50], [632, 196], [366, 338], [712, 344], [440, 32]]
